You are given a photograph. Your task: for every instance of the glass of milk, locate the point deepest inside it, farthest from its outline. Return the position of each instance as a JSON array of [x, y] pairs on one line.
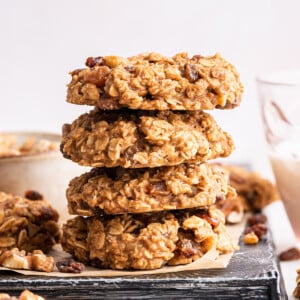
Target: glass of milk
[[279, 93]]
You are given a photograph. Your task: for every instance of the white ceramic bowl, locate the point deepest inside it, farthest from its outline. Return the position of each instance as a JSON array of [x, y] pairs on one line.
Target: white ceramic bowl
[[47, 172]]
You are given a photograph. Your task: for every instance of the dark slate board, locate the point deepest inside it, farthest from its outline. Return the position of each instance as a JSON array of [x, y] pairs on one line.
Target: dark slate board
[[253, 273]]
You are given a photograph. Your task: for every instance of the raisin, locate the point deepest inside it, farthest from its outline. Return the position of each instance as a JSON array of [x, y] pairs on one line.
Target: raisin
[[70, 266], [130, 69], [212, 221], [257, 219], [107, 103], [94, 61], [290, 254], [197, 57], [186, 248], [66, 128], [220, 199], [76, 72], [191, 73], [258, 229], [33, 195]]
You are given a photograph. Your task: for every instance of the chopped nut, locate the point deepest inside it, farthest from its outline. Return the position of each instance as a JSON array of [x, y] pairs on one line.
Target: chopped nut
[[6, 297], [251, 238], [70, 266], [16, 259], [113, 61], [41, 262], [290, 254], [25, 295], [235, 217]]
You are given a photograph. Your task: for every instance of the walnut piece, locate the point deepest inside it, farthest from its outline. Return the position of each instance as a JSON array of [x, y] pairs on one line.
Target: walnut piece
[[19, 259]]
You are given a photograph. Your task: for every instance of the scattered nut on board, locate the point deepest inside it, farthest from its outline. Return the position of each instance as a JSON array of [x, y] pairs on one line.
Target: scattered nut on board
[[25, 295], [256, 229], [19, 259]]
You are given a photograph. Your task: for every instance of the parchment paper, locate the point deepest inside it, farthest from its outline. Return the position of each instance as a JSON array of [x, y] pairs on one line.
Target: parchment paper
[[211, 260]]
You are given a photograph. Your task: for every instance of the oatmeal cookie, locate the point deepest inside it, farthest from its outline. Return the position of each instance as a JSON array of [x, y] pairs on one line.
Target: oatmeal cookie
[[146, 241], [27, 224], [137, 139], [120, 191], [151, 81], [256, 191]]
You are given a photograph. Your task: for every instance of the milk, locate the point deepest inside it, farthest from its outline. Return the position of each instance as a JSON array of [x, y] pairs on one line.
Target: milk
[[286, 167]]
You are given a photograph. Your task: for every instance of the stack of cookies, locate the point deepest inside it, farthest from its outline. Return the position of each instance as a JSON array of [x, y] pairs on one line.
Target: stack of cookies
[[149, 199]]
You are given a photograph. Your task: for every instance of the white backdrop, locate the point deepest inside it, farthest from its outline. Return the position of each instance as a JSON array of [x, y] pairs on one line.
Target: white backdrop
[[41, 41]]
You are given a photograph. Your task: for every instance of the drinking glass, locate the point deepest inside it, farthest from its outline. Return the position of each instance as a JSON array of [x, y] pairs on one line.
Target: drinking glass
[[279, 94]]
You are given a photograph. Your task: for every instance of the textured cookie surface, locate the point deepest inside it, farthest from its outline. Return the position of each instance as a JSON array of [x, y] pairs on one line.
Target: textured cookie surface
[[146, 241], [137, 139], [151, 81], [120, 191], [27, 224]]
